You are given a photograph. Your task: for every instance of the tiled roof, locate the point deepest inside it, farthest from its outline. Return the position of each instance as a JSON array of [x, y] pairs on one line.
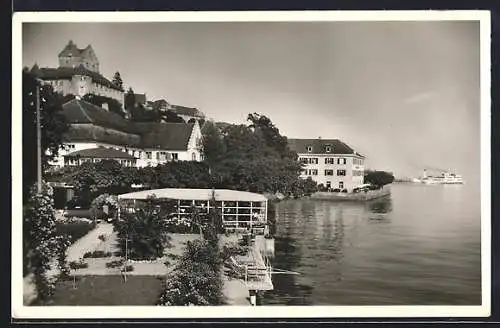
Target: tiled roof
[[90, 122], [91, 132], [79, 111], [60, 73], [167, 136], [319, 146], [72, 49], [188, 111], [100, 152]]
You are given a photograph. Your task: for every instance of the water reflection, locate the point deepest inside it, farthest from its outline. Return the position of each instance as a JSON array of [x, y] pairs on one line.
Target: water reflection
[[379, 208], [345, 256], [380, 205]]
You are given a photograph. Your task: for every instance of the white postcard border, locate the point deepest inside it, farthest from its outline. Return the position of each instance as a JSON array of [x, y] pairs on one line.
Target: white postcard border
[[19, 311]]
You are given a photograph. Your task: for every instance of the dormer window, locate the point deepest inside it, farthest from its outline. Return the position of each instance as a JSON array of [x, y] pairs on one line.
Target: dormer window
[[309, 149], [328, 149]]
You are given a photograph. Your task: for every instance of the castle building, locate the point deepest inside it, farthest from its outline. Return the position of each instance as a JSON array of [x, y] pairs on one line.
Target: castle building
[[329, 162], [78, 74], [187, 113]]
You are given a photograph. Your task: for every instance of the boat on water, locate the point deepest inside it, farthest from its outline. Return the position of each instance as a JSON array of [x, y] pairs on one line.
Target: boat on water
[[444, 178]]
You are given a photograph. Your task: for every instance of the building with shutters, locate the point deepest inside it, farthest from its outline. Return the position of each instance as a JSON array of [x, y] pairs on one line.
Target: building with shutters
[[96, 133], [329, 162]]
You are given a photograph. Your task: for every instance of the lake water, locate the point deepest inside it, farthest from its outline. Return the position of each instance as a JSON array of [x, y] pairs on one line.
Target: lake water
[[420, 246]]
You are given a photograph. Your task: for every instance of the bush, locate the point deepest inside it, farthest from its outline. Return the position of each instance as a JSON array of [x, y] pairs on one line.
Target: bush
[[232, 250], [173, 256], [97, 254], [40, 238], [74, 229], [378, 178], [196, 279], [97, 206], [128, 268], [115, 264], [145, 230], [73, 265]]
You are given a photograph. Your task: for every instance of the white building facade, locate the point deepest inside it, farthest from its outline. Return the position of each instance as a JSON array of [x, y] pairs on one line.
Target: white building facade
[[150, 144], [330, 162]]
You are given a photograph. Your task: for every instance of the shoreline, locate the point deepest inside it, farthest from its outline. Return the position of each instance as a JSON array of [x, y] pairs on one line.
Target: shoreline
[[361, 196]]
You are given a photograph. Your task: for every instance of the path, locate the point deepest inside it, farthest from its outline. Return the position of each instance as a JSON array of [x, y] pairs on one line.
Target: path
[[75, 252]]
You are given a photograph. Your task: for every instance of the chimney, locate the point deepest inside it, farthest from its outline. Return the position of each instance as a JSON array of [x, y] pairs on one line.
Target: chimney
[[105, 105]]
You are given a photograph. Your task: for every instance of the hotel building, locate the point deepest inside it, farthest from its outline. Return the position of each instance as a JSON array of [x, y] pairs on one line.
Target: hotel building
[[329, 162]]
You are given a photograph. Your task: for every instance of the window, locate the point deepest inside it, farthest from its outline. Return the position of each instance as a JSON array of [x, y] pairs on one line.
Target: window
[[148, 155], [345, 160], [341, 161], [328, 184], [341, 184], [312, 172], [309, 149], [329, 160], [328, 149], [341, 173], [157, 155], [193, 156], [328, 172], [175, 156], [309, 160]]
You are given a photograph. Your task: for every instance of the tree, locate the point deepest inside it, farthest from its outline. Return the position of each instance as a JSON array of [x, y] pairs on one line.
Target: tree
[[143, 234], [170, 116], [40, 238], [378, 178], [252, 157], [213, 145], [53, 126], [113, 105], [196, 280], [117, 80], [262, 125], [93, 179], [180, 174]]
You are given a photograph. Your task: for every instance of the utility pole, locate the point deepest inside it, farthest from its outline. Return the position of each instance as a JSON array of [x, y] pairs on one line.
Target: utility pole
[[38, 139]]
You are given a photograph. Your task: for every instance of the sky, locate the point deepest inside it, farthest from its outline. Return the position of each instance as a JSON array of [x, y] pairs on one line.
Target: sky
[[404, 94]]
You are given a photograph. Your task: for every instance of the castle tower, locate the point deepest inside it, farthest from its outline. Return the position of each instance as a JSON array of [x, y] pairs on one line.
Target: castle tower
[[72, 56]]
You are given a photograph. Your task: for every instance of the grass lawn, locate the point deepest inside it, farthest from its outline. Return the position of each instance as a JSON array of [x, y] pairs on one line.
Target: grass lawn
[[108, 290]]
